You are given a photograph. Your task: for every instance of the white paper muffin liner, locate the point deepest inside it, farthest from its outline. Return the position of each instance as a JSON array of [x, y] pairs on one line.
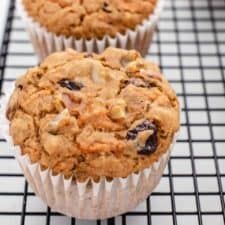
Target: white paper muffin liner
[[45, 42], [90, 199]]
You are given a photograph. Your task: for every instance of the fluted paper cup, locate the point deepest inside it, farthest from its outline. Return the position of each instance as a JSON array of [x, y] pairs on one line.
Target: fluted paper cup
[[90, 199], [45, 42]]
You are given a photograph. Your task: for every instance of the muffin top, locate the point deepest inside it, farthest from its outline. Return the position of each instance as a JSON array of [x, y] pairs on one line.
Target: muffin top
[[87, 115], [89, 18]]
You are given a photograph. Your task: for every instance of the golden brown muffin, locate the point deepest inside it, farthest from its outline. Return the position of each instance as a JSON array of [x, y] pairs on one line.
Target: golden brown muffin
[[87, 115], [89, 18]]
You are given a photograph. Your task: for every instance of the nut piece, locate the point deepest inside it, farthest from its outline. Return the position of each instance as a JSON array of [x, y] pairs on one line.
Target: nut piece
[[97, 75], [62, 122], [143, 137], [55, 122], [101, 75], [118, 109], [71, 85]]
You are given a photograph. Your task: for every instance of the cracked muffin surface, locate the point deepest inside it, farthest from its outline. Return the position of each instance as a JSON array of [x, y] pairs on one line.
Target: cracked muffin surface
[[88, 115], [89, 18]]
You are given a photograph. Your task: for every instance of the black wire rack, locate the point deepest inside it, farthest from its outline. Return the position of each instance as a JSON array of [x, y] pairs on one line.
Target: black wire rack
[[190, 47]]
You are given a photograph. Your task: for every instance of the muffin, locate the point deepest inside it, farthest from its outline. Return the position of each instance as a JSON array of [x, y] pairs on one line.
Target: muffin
[[90, 25], [93, 129]]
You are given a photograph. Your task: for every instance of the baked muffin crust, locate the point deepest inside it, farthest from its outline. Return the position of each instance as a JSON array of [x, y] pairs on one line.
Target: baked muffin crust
[[89, 18], [87, 115]]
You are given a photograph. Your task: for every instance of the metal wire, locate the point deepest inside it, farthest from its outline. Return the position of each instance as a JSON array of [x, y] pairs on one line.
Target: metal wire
[[190, 40]]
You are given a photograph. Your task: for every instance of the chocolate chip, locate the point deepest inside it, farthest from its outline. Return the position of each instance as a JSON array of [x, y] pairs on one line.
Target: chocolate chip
[[146, 125], [105, 8], [152, 141], [150, 145], [71, 85], [20, 86]]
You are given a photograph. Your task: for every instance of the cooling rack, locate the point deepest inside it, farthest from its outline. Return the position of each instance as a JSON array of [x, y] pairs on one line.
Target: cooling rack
[[190, 47]]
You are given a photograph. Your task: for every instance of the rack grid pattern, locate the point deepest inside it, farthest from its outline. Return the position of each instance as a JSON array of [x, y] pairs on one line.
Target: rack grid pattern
[[190, 47]]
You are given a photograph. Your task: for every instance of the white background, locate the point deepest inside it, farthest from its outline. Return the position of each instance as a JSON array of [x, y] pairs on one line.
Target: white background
[[3, 12]]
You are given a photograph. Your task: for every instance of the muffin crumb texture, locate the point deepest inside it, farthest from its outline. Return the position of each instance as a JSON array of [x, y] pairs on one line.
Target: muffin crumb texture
[[87, 115], [89, 18]]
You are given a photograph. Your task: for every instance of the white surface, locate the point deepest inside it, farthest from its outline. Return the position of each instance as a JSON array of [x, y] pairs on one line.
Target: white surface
[[3, 13], [204, 165]]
